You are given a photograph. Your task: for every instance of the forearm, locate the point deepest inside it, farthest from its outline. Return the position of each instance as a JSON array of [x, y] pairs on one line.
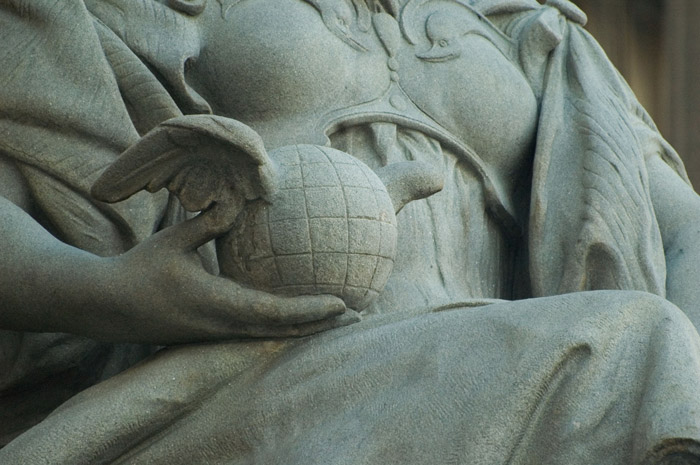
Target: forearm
[[46, 284], [683, 272], [677, 209], [156, 293]]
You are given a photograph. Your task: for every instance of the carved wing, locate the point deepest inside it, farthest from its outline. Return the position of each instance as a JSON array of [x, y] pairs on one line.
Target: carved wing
[[200, 158]]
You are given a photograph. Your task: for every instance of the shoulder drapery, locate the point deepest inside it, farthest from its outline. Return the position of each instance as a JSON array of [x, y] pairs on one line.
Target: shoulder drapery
[[75, 96], [592, 223]]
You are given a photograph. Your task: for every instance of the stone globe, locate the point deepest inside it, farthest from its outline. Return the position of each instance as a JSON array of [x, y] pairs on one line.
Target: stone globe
[[330, 228]]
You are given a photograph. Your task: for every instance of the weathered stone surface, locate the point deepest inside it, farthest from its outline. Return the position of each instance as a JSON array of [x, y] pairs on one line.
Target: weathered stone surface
[[330, 228], [542, 306]]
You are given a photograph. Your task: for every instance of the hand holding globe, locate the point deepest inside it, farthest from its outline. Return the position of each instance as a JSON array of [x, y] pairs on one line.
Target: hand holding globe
[[310, 219]]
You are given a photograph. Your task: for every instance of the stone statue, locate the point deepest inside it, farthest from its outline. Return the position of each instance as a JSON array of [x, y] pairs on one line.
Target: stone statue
[[330, 228], [538, 304]]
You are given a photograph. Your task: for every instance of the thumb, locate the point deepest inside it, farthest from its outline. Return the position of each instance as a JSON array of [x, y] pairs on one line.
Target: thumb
[[207, 225]]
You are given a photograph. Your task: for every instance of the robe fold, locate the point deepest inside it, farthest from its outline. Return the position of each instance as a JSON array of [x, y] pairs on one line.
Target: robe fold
[[604, 377]]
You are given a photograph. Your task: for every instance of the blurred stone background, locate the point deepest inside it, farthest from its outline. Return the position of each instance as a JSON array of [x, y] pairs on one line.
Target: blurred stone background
[[656, 46]]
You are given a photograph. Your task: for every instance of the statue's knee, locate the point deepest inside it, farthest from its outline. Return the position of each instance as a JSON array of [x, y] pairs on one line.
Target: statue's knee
[[646, 307], [653, 305]]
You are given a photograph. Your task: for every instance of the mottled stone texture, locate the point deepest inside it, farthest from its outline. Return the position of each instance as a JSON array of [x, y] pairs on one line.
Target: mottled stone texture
[[329, 229], [198, 198]]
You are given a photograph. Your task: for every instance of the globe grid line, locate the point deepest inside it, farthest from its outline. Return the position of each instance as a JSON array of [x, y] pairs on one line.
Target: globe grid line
[[347, 232], [269, 241], [330, 230], [379, 245], [308, 222]]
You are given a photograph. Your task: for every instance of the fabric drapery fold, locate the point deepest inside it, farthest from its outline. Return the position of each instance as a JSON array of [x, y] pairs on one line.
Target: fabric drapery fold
[[63, 120], [592, 223], [446, 387], [580, 378]]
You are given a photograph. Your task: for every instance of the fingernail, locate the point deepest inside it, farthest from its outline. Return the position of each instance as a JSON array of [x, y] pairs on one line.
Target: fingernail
[[335, 305]]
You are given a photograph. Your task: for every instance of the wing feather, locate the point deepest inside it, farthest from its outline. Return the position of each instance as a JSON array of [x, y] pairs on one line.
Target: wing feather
[[211, 156]]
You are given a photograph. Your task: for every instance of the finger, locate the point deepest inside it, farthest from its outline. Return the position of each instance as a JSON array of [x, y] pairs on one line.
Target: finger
[[195, 232], [247, 306], [271, 310], [304, 329]]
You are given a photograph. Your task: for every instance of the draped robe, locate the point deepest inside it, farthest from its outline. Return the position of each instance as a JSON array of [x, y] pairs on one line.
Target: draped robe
[[604, 376]]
